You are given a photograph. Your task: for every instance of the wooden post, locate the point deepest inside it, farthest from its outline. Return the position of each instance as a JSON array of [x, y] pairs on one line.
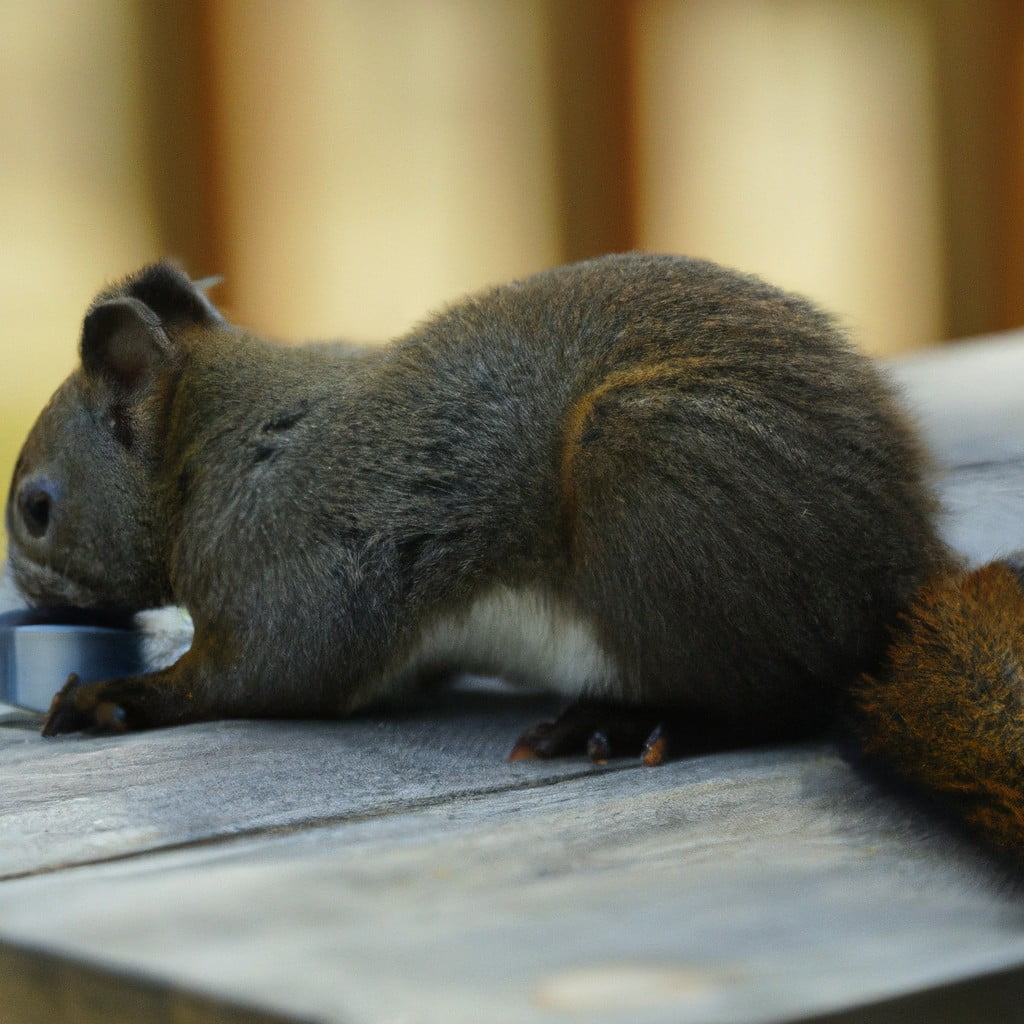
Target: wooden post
[[980, 81], [183, 149], [591, 55]]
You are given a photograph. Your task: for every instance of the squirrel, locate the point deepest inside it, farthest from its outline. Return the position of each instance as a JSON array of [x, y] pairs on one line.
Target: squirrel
[[670, 492]]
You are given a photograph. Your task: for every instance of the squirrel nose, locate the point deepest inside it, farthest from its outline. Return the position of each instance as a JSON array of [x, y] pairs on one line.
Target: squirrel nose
[[36, 501]]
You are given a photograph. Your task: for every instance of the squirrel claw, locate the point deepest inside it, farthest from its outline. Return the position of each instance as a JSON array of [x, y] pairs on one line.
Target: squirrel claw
[[531, 746], [62, 715], [656, 747], [522, 751], [599, 748]]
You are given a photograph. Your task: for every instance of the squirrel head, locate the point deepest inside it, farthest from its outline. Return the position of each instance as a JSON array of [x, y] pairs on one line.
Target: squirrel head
[[85, 524]]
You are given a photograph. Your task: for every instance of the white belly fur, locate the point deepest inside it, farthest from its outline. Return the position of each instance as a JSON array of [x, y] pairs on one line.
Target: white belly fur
[[523, 636]]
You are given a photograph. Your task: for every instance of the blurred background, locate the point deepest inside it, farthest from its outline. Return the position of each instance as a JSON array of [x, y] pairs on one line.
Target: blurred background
[[349, 165]]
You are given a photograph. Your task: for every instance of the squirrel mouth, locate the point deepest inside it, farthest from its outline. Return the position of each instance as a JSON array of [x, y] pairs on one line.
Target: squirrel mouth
[[42, 586]]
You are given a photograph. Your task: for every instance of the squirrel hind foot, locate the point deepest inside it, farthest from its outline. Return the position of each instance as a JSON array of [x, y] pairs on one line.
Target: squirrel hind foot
[[602, 729]]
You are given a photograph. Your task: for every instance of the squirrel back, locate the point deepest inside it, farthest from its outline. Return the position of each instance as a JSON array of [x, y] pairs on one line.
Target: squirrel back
[[642, 481]]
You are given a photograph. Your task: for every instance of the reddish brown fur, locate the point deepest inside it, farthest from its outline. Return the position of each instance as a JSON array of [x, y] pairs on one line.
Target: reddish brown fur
[[946, 712], [582, 412]]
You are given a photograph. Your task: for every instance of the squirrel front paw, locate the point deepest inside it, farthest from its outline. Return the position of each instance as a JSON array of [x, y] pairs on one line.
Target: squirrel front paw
[[118, 705], [93, 707], [166, 697]]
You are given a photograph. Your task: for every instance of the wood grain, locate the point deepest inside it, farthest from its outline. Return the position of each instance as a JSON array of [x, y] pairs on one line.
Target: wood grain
[[754, 886]]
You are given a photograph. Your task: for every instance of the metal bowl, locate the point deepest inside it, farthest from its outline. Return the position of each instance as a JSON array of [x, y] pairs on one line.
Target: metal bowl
[[40, 649]]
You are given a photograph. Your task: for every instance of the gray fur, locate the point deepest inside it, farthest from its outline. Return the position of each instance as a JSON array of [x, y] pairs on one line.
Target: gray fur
[[696, 465]]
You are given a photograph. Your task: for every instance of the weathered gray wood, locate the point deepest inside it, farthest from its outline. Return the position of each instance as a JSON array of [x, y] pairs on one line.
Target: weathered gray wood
[[967, 401], [983, 509], [77, 799], [753, 886], [966, 398]]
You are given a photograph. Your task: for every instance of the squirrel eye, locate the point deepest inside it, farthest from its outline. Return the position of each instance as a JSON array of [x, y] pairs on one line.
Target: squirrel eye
[[35, 504]]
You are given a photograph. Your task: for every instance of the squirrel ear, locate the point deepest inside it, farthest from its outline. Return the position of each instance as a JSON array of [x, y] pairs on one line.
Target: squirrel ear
[[172, 296], [123, 342]]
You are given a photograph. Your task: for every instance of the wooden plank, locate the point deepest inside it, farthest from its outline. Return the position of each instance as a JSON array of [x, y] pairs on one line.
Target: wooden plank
[[966, 398], [182, 148], [984, 509], [754, 886], [979, 80], [79, 799]]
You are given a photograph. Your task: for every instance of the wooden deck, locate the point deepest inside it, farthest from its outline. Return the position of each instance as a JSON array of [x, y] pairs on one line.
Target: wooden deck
[[396, 870]]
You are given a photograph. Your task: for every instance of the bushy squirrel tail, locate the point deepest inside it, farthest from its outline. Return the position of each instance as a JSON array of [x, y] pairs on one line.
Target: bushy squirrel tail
[[945, 713]]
